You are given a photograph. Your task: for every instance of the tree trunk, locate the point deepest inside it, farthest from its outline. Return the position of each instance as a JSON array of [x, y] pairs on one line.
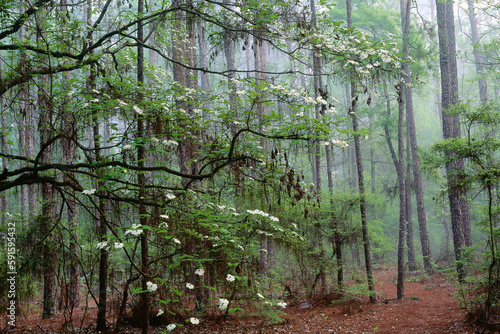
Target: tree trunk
[[48, 207], [259, 48], [100, 211], [402, 191], [47, 219], [24, 123], [202, 42], [449, 98], [320, 109], [361, 182], [141, 177], [231, 67], [405, 23], [410, 124], [412, 263], [68, 152], [462, 192], [478, 55], [386, 128]]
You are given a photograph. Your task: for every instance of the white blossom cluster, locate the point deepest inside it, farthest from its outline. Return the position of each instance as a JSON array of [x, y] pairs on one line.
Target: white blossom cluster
[[223, 303], [135, 230], [151, 286], [340, 143], [262, 213]]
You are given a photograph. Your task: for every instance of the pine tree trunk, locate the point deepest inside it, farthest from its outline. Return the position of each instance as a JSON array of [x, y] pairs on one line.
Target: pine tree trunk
[[320, 110], [100, 210], [410, 124], [68, 152], [24, 105], [203, 54], [230, 63], [47, 220], [362, 202], [386, 128], [449, 98], [361, 182], [402, 191], [412, 263], [461, 191], [259, 49], [141, 178], [478, 55], [405, 22]]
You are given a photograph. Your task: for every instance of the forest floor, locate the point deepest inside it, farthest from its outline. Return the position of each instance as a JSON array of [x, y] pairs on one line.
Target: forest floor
[[429, 307]]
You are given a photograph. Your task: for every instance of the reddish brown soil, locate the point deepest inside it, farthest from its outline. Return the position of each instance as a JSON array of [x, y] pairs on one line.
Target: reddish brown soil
[[434, 312]]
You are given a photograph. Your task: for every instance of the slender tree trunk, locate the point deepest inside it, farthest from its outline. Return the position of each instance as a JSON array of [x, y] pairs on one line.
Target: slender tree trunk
[[259, 48], [48, 207], [141, 177], [478, 55], [372, 169], [410, 124], [386, 129], [203, 52], [449, 98], [101, 224], [402, 191], [412, 263], [47, 219], [231, 67], [24, 122], [405, 18], [462, 191], [178, 45], [68, 152], [100, 211], [320, 109], [361, 182]]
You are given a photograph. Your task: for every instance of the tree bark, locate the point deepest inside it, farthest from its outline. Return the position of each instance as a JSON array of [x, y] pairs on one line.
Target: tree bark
[[386, 128], [478, 55], [47, 219], [141, 177], [410, 125], [451, 125], [462, 192], [48, 206], [412, 263], [259, 48], [361, 181], [24, 123], [320, 109], [405, 23], [68, 152], [402, 190], [202, 42], [231, 67], [100, 211]]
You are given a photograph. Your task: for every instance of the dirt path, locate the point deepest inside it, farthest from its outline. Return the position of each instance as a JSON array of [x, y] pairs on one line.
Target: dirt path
[[434, 312]]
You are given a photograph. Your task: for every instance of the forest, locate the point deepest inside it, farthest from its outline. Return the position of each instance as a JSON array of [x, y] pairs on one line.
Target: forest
[[181, 165]]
